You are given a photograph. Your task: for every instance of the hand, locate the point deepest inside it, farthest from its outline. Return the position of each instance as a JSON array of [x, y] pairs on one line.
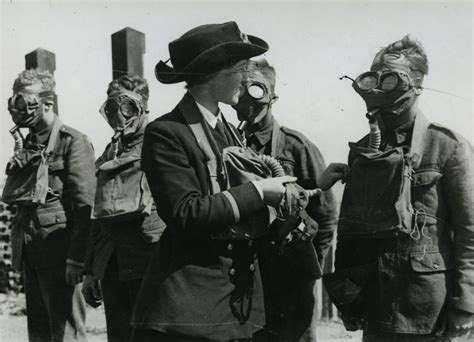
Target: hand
[[455, 323], [73, 274], [91, 291], [333, 173], [274, 188]]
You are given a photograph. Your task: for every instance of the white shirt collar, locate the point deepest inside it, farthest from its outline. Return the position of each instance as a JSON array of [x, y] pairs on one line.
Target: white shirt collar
[[208, 116]]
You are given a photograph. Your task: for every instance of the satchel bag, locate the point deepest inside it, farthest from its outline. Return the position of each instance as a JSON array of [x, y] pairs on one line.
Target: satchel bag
[[28, 184], [122, 190], [377, 197]]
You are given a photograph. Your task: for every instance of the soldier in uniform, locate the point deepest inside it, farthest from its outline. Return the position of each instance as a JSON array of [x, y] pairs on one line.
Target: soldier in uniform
[[49, 233], [201, 285], [411, 258], [126, 224], [289, 295]]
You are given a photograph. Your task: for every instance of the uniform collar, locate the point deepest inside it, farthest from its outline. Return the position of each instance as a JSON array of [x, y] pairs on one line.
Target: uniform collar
[[210, 118], [42, 136], [264, 133]]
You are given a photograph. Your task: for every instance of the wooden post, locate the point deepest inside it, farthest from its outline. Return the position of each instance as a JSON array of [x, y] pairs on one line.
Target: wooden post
[[128, 48], [44, 60]]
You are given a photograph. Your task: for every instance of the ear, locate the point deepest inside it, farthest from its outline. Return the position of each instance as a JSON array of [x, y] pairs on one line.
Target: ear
[[274, 99], [418, 91]]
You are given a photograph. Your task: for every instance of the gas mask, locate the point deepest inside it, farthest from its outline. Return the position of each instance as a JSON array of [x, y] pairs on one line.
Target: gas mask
[[256, 99], [389, 87], [27, 108], [391, 91], [122, 111]]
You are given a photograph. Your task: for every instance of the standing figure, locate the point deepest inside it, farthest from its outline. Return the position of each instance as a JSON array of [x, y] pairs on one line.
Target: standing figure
[[406, 229], [51, 179], [127, 225], [203, 281], [289, 293]]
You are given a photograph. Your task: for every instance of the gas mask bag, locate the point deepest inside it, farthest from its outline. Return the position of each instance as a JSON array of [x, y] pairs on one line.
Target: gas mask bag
[[28, 184]]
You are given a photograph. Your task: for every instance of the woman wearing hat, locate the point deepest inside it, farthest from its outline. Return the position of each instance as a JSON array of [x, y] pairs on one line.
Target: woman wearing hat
[[202, 283]]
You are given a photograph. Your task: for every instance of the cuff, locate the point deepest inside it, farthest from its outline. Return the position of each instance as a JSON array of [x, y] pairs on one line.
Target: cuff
[[259, 188], [248, 199], [233, 204], [462, 304], [74, 263]]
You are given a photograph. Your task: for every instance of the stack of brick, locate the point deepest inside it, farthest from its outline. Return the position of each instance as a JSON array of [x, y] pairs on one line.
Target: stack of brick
[[9, 279]]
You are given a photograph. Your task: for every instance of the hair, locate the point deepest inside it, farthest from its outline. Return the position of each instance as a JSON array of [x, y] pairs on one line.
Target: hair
[[197, 80], [135, 83], [413, 51], [266, 69], [204, 77], [32, 76]]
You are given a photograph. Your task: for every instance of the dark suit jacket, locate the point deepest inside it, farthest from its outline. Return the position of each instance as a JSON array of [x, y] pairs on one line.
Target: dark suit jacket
[[57, 231], [196, 286]]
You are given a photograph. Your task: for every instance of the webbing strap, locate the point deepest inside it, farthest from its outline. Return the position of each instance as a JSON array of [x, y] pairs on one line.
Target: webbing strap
[[276, 139], [53, 138], [206, 148]]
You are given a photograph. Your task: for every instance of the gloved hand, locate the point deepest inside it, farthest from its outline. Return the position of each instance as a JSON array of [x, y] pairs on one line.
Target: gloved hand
[[274, 188], [455, 323], [333, 173], [91, 291], [73, 274]]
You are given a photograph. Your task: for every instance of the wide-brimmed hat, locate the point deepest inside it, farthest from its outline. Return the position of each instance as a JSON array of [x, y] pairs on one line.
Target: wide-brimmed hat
[[207, 49]]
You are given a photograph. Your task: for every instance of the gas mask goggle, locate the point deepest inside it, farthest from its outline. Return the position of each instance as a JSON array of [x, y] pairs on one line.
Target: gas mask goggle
[[26, 107], [122, 111]]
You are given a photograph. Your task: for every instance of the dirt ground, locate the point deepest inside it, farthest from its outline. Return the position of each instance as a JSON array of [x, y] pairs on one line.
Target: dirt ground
[[13, 324]]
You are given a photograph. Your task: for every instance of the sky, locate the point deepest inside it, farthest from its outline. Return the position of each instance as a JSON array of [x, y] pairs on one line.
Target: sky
[[311, 44]]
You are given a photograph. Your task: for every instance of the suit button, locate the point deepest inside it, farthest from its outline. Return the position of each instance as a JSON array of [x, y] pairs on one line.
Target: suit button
[[232, 271], [229, 247], [435, 265], [57, 219], [252, 268]]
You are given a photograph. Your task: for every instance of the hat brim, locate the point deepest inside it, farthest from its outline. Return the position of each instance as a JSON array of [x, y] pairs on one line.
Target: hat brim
[[212, 60]]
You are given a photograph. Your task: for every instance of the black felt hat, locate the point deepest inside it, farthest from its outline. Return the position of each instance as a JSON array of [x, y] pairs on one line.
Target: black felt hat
[[207, 49]]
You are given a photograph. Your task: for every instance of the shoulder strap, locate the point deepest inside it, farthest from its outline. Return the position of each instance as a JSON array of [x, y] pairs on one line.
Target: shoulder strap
[[205, 146], [53, 137], [232, 131], [420, 129], [276, 138]]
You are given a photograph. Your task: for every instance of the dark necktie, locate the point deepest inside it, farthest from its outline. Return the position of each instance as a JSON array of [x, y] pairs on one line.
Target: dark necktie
[[221, 130]]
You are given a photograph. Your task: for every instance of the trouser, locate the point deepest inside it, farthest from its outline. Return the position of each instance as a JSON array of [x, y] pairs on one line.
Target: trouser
[[158, 336], [55, 311], [393, 337], [119, 299], [290, 301]]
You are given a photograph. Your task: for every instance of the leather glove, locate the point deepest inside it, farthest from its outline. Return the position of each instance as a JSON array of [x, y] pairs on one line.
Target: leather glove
[[91, 291], [73, 274], [455, 323]]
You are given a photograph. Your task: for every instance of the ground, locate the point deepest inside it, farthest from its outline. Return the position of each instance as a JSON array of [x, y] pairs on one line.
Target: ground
[[13, 324]]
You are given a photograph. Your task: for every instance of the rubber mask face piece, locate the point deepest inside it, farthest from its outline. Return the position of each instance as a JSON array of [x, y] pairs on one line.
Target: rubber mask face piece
[[27, 107], [390, 90], [122, 110], [256, 98]]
